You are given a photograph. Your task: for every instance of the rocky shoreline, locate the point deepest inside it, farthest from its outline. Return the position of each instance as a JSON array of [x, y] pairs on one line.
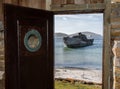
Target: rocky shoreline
[[89, 76]]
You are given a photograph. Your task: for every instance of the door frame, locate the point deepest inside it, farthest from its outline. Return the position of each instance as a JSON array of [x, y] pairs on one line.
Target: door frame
[[107, 61]]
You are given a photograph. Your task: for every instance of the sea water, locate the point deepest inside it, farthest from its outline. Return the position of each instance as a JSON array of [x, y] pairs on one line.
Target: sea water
[[86, 57]]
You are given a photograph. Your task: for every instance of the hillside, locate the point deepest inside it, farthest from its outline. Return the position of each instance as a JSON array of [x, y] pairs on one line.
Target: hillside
[[90, 35], [60, 35]]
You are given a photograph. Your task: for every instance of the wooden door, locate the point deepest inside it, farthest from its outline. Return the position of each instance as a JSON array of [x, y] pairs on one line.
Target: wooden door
[[28, 48]]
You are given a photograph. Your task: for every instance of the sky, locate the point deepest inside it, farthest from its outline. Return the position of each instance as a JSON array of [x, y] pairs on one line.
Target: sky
[[70, 24]]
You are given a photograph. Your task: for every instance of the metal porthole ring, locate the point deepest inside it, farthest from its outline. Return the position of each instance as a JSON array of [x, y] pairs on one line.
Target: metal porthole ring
[[32, 33]]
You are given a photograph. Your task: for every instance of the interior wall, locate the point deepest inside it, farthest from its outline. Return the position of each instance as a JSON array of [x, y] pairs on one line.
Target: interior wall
[[1, 10], [58, 2], [115, 43], [115, 25], [41, 4], [28, 3], [48, 4], [15, 2], [115, 1]]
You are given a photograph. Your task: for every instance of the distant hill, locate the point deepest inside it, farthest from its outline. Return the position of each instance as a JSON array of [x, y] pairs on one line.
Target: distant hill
[[90, 35], [60, 35]]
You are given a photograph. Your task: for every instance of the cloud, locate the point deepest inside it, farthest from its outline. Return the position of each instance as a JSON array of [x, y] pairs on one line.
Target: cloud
[[80, 22]]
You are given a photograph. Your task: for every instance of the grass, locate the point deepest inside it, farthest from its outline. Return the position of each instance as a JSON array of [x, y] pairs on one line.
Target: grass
[[67, 85]]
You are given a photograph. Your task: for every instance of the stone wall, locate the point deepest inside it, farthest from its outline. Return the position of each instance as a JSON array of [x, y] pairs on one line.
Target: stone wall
[[115, 40], [115, 32], [114, 1], [1, 56], [58, 2], [41, 4], [1, 11], [1, 45], [116, 51]]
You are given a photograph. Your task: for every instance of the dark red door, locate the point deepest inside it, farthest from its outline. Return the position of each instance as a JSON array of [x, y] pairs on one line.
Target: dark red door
[[28, 48]]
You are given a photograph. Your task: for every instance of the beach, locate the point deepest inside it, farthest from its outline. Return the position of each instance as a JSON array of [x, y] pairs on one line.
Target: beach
[[79, 74]]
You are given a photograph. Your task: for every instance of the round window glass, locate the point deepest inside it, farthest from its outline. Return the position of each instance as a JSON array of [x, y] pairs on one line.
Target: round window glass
[[32, 40]]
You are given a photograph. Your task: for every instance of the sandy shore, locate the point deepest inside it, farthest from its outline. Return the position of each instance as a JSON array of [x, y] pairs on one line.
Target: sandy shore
[[88, 75]]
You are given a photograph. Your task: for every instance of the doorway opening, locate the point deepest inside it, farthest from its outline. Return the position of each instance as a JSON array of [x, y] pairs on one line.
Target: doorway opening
[[78, 59]]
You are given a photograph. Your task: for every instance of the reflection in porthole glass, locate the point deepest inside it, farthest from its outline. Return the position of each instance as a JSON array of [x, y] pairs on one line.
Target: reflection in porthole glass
[[33, 41]]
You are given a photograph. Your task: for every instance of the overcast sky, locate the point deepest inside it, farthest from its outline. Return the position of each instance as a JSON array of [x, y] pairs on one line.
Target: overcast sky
[[70, 24]]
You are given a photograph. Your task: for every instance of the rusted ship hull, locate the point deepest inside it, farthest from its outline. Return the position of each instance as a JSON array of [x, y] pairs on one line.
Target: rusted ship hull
[[77, 43]]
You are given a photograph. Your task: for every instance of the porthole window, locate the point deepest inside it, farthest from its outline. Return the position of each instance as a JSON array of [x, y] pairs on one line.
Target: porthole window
[[32, 40]]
